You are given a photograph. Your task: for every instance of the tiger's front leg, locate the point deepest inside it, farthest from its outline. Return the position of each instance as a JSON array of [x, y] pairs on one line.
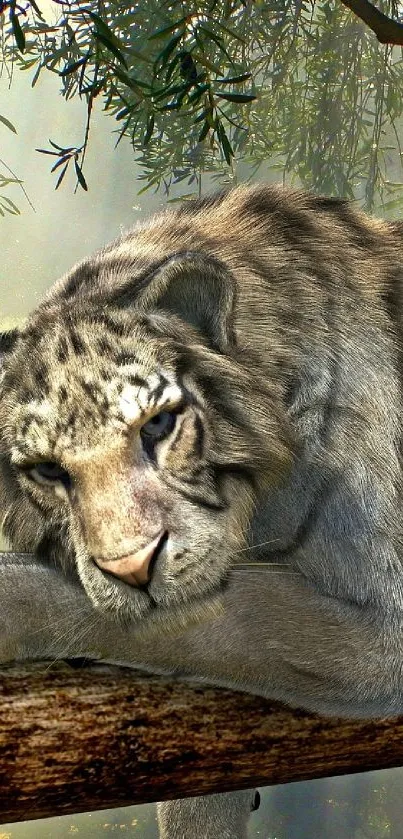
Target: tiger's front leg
[[273, 635], [221, 816]]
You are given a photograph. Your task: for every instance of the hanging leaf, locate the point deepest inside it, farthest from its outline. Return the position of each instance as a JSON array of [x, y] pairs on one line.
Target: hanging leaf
[[135, 84], [122, 131], [171, 66], [103, 28], [170, 91], [28, 64], [58, 148], [60, 162], [61, 176], [211, 36], [236, 79], [203, 133], [230, 32], [124, 112], [149, 184], [9, 206], [224, 142], [36, 75], [172, 106], [80, 176], [108, 38], [164, 55], [198, 93], [202, 116], [217, 40], [9, 124], [17, 31], [149, 130], [108, 43], [71, 68], [36, 9], [206, 62], [47, 151], [165, 29], [236, 97]]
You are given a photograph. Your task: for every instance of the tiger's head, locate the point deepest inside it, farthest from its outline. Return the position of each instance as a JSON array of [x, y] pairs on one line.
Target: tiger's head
[[137, 434]]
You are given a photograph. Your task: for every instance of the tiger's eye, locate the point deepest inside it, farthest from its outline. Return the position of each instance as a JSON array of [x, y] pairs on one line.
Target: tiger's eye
[[49, 472], [159, 426]]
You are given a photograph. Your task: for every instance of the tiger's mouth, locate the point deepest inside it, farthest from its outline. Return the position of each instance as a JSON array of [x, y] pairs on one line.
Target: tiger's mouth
[[155, 557], [179, 578]]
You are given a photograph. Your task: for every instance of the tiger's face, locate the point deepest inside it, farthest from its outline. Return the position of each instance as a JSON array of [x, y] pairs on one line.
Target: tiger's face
[[116, 457], [135, 437]]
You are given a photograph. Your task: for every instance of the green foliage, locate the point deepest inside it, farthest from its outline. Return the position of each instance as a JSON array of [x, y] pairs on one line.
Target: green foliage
[[210, 86], [6, 204]]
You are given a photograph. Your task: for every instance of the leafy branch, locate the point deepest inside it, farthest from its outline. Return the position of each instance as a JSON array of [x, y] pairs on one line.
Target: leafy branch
[[216, 86], [65, 156], [6, 203]]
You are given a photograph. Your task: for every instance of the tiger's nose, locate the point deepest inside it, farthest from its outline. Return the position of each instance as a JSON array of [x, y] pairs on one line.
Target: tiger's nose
[[134, 568]]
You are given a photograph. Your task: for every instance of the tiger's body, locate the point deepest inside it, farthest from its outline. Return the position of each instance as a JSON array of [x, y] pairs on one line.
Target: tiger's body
[[221, 384]]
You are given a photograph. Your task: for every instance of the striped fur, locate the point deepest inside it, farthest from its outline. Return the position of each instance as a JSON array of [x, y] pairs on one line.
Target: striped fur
[[269, 323]]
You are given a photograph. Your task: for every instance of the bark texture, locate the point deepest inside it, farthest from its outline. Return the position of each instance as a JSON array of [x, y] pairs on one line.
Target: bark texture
[[87, 738]]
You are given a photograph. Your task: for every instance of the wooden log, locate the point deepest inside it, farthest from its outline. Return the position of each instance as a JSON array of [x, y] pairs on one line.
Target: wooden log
[[75, 740]]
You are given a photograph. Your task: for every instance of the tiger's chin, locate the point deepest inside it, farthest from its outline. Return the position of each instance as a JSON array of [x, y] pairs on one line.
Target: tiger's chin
[[164, 604]]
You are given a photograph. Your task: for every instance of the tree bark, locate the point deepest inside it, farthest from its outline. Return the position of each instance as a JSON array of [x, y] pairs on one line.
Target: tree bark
[[95, 737]]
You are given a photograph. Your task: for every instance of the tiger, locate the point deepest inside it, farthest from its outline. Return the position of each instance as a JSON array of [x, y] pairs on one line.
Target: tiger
[[200, 427]]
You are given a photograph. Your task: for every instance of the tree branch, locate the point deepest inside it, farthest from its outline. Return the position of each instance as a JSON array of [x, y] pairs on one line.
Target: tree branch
[[74, 740], [387, 30]]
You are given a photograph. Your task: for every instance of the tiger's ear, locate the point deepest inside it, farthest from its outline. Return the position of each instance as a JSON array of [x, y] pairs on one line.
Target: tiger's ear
[[200, 290], [7, 343]]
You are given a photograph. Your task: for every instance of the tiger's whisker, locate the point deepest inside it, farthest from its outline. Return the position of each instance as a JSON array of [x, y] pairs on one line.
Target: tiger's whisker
[[258, 545], [258, 564], [256, 569]]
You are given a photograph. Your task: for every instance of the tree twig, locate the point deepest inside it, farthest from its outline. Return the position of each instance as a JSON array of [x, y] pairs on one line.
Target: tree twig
[[19, 182]]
